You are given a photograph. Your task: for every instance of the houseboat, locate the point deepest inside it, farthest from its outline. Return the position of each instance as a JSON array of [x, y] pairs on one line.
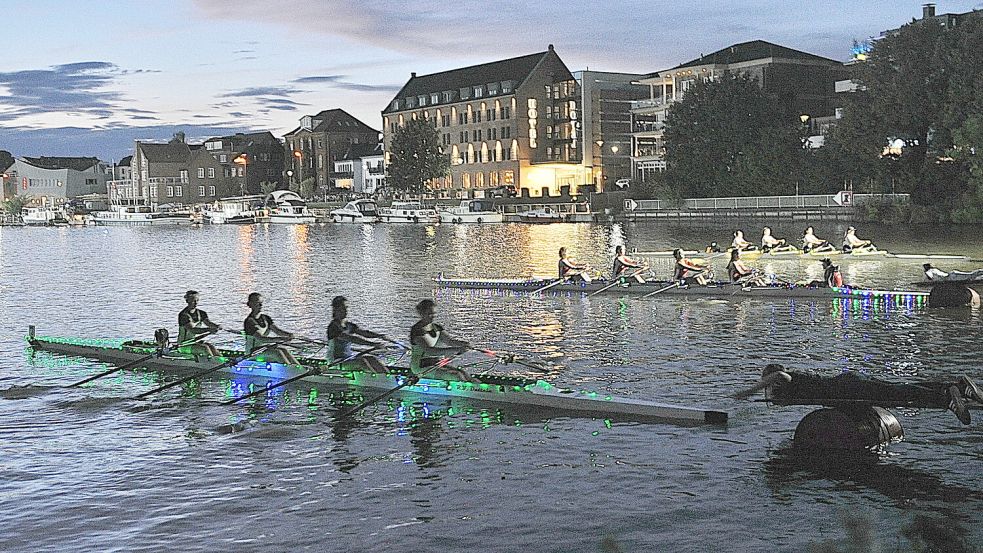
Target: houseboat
[[408, 212], [470, 211]]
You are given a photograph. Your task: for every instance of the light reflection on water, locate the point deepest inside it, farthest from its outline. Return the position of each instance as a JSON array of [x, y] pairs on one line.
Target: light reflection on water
[[412, 473]]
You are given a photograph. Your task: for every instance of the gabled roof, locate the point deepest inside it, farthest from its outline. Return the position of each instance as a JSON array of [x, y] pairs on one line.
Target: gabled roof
[[749, 51], [74, 163], [335, 120], [512, 69], [358, 151], [171, 152]]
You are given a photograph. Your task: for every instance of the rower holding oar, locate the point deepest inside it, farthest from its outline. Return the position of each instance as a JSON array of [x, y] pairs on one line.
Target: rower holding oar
[[769, 242], [261, 331], [431, 346], [741, 273], [740, 243], [569, 270], [343, 333], [193, 326], [810, 242], [687, 271], [851, 243], [621, 265]]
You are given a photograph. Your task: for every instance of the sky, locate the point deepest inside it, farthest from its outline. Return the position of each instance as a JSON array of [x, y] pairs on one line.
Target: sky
[[88, 78]]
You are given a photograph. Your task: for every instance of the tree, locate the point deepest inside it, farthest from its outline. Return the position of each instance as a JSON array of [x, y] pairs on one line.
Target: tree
[[13, 206], [415, 157], [727, 137], [306, 188], [266, 187], [6, 160]]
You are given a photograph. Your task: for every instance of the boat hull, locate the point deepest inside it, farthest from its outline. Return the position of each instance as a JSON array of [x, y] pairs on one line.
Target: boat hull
[[496, 389], [471, 218]]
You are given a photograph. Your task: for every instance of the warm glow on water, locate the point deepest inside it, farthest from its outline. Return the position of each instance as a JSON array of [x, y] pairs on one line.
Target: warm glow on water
[[85, 469]]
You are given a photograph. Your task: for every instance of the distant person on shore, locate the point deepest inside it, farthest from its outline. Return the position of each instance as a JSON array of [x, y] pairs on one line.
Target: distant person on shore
[[851, 242], [810, 242], [342, 334], [261, 331], [687, 271], [622, 264], [769, 242], [432, 346], [569, 270], [193, 326]]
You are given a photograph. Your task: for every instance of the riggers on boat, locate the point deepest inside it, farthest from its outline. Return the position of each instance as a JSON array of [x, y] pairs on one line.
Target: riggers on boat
[[666, 288], [491, 388]]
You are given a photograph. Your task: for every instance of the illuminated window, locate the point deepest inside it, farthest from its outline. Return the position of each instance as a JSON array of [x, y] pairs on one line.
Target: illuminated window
[[465, 180], [493, 179], [508, 177], [479, 180]]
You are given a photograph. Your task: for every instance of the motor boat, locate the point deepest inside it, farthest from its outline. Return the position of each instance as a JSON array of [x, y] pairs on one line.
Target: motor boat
[[286, 207], [544, 215], [470, 211], [139, 215], [408, 212], [355, 211]]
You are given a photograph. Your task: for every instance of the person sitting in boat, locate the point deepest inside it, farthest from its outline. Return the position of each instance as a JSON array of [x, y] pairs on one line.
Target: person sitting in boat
[[812, 243], [851, 242], [342, 334], [740, 243], [193, 326], [938, 275], [769, 242], [831, 276], [851, 387], [432, 346], [712, 248], [739, 272], [622, 264], [261, 331], [687, 271], [568, 270]]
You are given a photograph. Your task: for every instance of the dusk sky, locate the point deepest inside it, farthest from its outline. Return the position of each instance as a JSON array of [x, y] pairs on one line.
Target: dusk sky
[[87, 78]]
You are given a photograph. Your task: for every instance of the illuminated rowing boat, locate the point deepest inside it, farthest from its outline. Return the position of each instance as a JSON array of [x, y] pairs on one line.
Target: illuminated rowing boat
[[666, 288], [491, 388], [799, 254]]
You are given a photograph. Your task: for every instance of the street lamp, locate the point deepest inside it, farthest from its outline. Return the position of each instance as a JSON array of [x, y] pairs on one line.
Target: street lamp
[[290, 177], [614, 149], [242, 159]]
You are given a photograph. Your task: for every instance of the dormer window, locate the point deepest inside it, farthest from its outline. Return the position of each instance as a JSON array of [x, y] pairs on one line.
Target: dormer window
[[434, 98], [465, 93], [448, 95], [395, 104], [305, 122], [492, 88], [422, 99], [478, 91], [506, 87]]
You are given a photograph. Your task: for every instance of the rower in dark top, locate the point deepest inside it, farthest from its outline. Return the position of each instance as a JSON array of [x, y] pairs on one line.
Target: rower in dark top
[[342, 334], [193, 326], [850, 388], [687, 271], [431, 344], [567, 269], [622, 264], [260, 331]]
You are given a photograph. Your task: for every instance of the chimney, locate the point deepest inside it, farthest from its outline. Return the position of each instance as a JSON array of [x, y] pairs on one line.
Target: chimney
[[413, 75], [550, 48], [928, 10]]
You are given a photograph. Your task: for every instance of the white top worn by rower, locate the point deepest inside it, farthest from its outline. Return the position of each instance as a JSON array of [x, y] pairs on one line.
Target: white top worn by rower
[[850, 240], [739, 242], [809, 239], [768, 241], [932, 273]]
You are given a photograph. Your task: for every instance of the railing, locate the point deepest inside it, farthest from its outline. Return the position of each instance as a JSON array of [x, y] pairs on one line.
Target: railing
[[650, 103], [768, 202], [168, 180]]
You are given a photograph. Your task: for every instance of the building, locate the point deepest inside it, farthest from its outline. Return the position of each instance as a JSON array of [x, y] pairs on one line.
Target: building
[[606, 131], [361, 170], [248, 159], [55, 180], [806, 81], [319, 141], [512, 122], [159, 173], [945, 20]]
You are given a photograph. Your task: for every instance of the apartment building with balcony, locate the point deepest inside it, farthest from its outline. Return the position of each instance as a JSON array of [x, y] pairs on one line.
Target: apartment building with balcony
[[606, 100], [246, 160], [512, 122], [807, 83], [361, 170], [311, 149]]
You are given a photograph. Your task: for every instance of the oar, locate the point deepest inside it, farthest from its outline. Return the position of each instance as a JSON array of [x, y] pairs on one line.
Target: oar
[[779, 377], [660, 290], [312, 372], [131, 364], [510, 358], [617, 281], [229, 363], [410, 380], [548, 286]]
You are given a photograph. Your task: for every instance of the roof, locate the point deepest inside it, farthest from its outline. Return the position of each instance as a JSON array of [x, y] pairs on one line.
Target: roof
[[74, 163], [358, 151], [171, 152], [335, 120], [125, 161], [750, 51], [512, 69]]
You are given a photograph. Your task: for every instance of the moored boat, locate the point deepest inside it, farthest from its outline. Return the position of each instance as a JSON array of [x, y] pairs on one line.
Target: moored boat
[[140, 215], [238, 210], [470, 211], [491, 388], [544, 215], [286, 207], [44, 216], [355, 211], [408, 212]]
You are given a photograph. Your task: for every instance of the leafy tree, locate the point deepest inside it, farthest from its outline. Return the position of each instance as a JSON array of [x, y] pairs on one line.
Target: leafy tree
[[266, 187], [415, 157], [13, 206], [6, 160], [306, 188]]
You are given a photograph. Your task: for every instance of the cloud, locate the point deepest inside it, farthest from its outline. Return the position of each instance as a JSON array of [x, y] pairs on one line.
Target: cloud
[[260, 91], [337, 81]]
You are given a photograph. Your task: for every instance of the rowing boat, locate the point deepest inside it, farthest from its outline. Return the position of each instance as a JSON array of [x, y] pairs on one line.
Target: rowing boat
[[798, 254], [714, 289], [490, 388]]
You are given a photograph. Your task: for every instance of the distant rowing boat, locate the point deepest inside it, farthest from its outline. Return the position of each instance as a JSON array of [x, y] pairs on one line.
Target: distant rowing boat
[[798, 254], [491, 388], [665, 288]]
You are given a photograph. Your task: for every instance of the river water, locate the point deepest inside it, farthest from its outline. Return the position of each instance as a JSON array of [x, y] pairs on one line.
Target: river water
[[86, 469]]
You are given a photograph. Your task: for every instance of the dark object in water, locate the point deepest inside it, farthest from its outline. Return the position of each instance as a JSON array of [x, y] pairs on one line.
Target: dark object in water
[[952, 294], [853, 428]]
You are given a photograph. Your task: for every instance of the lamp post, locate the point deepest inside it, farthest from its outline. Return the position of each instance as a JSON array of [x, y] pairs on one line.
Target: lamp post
[[300, 164], [242, 159], [290, 178]]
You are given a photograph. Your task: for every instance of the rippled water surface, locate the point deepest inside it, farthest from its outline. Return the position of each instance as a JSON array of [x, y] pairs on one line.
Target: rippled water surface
[[86, 469]]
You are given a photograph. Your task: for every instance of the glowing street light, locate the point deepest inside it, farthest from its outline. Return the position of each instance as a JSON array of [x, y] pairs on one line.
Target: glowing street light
[[243, 160]]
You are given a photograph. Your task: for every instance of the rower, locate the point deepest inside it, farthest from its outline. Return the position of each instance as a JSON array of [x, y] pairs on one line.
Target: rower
[[810, 242], [687, 271], [193, 325], [851, 242], [932, 273], [831, 274], [430, 343], [769, 242], [342, 334], [712, 248], [739, 272], [260, 331], [622, 263], [740, 243], [568, 270], [804, 388]]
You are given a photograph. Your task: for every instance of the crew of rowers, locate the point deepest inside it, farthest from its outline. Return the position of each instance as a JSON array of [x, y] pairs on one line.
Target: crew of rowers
[[810, 243], [430, 345]]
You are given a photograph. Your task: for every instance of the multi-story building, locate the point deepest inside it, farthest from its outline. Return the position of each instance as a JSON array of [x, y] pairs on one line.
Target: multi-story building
[[54, 180], [361, 170], [512, 122], [606, 131], [159, 173], [247, 159], [806, 81], [320, 140]]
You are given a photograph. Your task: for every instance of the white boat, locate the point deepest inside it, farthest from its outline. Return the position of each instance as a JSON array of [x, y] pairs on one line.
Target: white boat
[[355, 211], [544, 215], [408, 212], [44, 216], [238, 210], [286, 207], [140, 215], [470, 211]]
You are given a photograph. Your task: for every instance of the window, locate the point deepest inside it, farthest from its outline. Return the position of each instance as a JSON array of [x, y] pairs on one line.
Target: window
[[222, 158], [506, 112], [465, 93], [492, 134], [201, 172], [170, 191], [492, 88], [320, 142], [211, 190], [508, 177], [506, 87], [477, 116], [422, 100], [184, 175], [201, 190], [434, 98], [477, 91], [211, 172], [179, 191], [264, 157]]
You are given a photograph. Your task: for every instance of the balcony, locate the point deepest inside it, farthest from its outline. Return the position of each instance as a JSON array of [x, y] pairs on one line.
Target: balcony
[[380, 170], [650, 104], [167, 180]]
